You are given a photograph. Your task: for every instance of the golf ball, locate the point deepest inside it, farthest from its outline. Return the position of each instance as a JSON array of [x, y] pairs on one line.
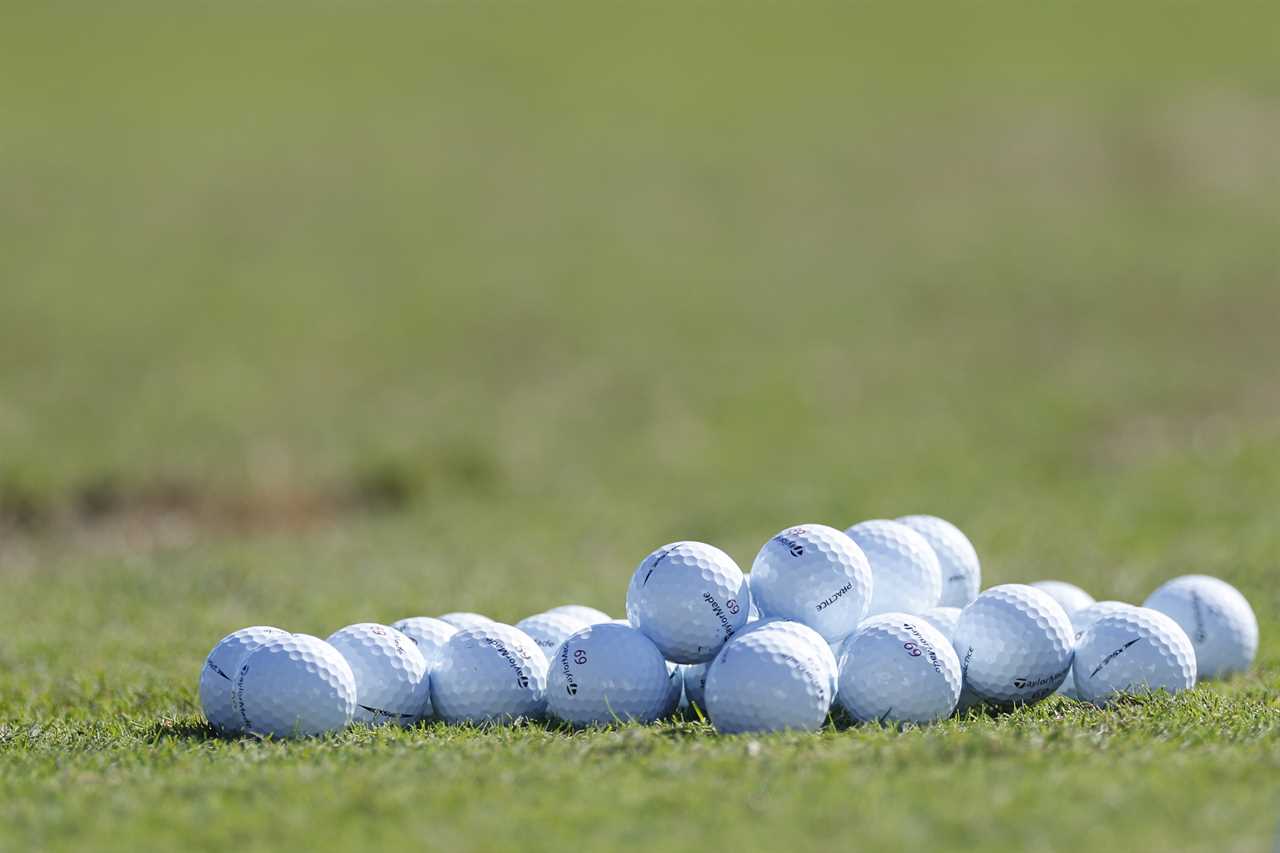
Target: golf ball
[[551, 629], [392, 685], [695, 684], [217, 678], [1072, 598], [606, 674], [961, 570], [1134, 650], [906, 577], [490, 673], [1015, 644], [463, 619], [429, 634], [766, 681], [1081, 622], [899, 668], [1217, 618], [295, 686], [816, 575], [675, 689], [688, 598], [587, 614]]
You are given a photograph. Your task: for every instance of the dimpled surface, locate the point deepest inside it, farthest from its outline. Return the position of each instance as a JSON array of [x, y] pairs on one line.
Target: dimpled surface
[[1081, 622], [550, 629], [608, 673], [695, 684], [462, 619], [295, 686], [217, 678], [766, 681], [823, 655], [587, 614], [1216, 617], [816, 575], [1134, 650], [906, 577], [428, 634], [490, 673], [392, 685], [898, 667], [1015, 644], [961, 569], [688, 598], [1072, 598]]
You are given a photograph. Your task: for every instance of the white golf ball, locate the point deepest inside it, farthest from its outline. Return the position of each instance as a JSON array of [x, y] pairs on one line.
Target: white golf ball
[[217, 678], [961, 569], [1081, 622], [490, 673], [688, 598], [587, 614], [392, 684], [1130, 651], [551, 629], [695, 684], [606, 674], [816, 575], [675, 689], [429, 634], [824, 656], [1072, 598], [295, 686], [1217, 619], [906, 577], [899, 668], [1015, 644], [766, 681], [463, 619]]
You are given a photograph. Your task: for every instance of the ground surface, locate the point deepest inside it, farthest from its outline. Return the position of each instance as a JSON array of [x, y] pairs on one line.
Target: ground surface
[[316, 316]]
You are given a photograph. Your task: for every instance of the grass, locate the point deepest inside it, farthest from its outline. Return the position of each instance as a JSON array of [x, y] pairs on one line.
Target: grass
[[311, 316]]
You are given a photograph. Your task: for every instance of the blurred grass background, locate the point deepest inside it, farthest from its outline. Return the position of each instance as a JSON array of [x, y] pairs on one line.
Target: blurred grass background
[[560, 283]]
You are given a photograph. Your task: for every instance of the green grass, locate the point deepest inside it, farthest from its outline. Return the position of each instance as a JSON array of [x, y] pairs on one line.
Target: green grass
[[312, 315]]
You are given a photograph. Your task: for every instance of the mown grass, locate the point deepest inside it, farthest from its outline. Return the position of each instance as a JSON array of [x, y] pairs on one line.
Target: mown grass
[[317, 315]]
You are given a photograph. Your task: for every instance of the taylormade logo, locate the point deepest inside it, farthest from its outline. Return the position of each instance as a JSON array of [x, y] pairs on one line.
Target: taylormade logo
[[719, 614], [522, 679]]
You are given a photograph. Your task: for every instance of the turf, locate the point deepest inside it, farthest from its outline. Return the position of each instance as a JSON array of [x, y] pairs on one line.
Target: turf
[[312, 315]]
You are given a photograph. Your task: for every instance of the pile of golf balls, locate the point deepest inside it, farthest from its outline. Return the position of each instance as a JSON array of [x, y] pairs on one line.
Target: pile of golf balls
[[885, 623]]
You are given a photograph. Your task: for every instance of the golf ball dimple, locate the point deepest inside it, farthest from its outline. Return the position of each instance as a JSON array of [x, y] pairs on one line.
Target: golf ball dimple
[[1130, 651], [1072, 598], [490, 673], [217, 677], [816, 575], [1015, 645], [766, 681], [688, 598], [295, 686], [462, 619], [550, 629], [590, 615], [957, 558], [899, 668], [608, 673], [428, 634], [392, 682], [1217, 619], [906, 577]]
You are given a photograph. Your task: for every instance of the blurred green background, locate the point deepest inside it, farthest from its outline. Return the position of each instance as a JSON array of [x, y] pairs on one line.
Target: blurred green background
[[315, 313]]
